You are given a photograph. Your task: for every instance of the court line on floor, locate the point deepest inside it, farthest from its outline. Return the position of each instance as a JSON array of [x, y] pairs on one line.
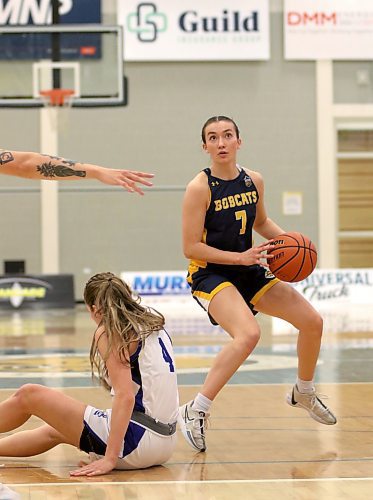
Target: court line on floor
[[210, 481], [240, 462], [264, 383], [276, 462], [281, 384]]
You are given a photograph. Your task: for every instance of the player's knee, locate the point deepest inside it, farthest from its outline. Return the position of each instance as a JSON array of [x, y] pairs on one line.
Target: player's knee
[[26, 393], [254, 336], [318, 323], [248, 340], [53, 435], [315, 325]]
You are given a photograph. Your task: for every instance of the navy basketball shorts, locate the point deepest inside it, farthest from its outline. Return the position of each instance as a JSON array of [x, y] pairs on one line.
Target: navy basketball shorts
[[252, 282]]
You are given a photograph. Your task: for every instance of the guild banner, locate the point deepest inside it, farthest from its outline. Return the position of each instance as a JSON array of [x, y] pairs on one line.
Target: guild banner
[[191, 30]]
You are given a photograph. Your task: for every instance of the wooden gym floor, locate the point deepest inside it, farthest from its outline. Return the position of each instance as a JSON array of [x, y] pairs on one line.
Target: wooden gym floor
[[258, 447]]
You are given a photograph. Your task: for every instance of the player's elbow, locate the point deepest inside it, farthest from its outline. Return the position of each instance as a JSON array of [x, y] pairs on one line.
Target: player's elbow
[[187, 253], [188, 250], [127, 399], [260, 225]]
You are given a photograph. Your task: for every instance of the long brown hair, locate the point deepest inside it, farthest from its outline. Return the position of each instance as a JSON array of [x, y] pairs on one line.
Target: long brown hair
[[124, 319]]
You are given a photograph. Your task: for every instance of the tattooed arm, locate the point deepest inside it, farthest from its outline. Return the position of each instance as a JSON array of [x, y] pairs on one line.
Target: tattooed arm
[[44, 167]]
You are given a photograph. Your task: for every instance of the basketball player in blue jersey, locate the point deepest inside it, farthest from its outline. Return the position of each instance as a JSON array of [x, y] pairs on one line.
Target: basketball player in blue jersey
[[229, 276], [43, 167], [132, 355]]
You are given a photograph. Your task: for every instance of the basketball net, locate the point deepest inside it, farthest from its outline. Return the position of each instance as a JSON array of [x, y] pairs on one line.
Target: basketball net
[[59, 103]]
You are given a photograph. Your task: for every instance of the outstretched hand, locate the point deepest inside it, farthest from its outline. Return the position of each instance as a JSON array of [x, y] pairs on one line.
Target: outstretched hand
[[256, 255], [95, 468], [127, 179]]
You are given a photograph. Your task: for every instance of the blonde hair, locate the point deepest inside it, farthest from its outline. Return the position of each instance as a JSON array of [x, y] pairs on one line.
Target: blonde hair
[[124, 319]]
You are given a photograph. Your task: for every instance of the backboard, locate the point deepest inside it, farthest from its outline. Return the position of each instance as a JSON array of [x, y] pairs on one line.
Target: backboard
[[86, 58]]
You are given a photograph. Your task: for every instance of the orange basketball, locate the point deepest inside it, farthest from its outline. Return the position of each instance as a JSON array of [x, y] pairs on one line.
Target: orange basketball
[[294, 257]]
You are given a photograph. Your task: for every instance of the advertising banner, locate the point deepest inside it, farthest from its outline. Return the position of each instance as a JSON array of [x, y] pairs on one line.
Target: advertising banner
[[33, 292], [191, 30], [169, 293], [157, 282], [332, 29], [34, 46], [344, 298], [322, 287]]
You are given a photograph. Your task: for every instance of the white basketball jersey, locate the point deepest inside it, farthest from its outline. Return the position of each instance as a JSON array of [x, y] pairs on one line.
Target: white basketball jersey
[[157, 391], [154, 378]]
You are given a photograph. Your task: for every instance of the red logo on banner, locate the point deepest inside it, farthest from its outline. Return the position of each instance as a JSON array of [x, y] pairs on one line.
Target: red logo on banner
[[315, 18], [88, 51]]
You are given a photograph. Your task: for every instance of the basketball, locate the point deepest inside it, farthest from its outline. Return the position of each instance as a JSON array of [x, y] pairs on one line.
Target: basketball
[[294, 257]]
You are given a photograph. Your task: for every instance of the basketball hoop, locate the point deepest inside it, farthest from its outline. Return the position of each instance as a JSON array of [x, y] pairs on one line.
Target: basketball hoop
[[57, 97], [57, 104]]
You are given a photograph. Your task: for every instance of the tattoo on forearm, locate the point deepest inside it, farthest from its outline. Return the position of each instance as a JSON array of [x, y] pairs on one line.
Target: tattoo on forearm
[[71, 163], [5, 157], [51, 170]]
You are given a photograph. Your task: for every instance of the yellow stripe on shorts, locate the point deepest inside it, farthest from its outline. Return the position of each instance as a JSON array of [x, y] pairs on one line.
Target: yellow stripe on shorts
[[263, 290], [211, 295]]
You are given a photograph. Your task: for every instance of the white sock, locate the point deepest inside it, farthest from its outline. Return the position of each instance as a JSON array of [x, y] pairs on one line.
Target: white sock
[[305, 386], [201, 403]]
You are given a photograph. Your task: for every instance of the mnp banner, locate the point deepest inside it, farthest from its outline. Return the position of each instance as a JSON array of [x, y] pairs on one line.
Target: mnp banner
[[191, 30], [31, 46]]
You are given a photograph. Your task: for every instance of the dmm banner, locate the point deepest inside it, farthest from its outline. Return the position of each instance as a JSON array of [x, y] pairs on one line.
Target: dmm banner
[[328, 29], [191, 30], [344, 298]]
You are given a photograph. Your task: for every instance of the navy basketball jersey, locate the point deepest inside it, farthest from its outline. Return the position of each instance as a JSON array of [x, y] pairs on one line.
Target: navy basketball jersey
[[231, 213]]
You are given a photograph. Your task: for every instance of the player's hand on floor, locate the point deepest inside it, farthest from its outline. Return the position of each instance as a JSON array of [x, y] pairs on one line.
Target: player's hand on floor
[[95, 468]]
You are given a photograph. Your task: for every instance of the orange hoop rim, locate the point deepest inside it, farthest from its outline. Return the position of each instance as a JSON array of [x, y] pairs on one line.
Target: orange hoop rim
[[57, 97]]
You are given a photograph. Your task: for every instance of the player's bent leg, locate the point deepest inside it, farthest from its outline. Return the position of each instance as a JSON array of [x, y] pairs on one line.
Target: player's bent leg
[[63, 413], [12, 414], [286, 303], [231, 312], [31, 442]]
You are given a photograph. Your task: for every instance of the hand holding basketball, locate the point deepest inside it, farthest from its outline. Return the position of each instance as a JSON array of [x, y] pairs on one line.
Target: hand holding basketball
[[294, 257], [256, 255]]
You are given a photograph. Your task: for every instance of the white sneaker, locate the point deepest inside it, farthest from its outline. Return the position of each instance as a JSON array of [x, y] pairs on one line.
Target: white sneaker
[[310, 402], [193, 425], [8, 494]]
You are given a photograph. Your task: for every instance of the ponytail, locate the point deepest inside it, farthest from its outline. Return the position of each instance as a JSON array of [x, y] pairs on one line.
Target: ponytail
[[124, 319]]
